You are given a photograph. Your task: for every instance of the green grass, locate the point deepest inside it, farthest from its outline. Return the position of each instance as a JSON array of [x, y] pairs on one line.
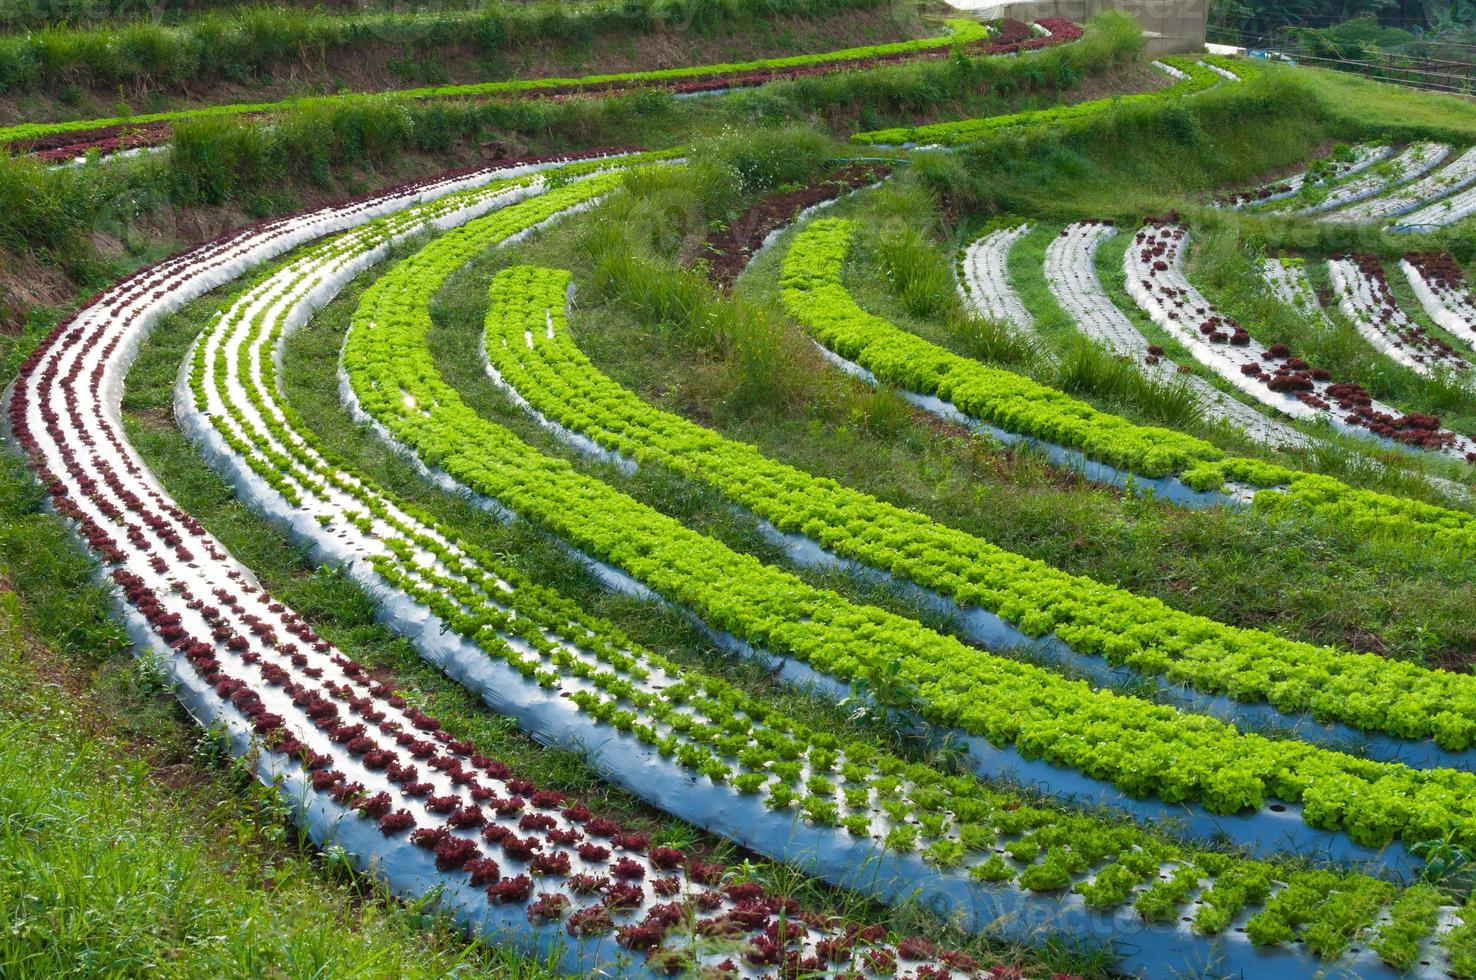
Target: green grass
[[1364, 102], [129, 844], [1026, 270], [256, 44]]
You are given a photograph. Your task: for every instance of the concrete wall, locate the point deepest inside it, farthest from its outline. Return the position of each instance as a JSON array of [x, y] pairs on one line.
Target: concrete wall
[[1170, 26]]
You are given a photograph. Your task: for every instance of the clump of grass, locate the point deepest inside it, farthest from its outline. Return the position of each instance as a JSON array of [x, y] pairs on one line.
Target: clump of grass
[[659, 217], [1084, 368], [879, 411], [48, 210], [764, 363], [734, 166], [917, 273], [905, 218], [989, 340]]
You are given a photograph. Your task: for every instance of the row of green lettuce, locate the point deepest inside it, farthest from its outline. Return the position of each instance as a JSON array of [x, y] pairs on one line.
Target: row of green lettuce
[[813, 292], [854, 786], [961, 32], [1144, 749], [962, 131], [529, 345]]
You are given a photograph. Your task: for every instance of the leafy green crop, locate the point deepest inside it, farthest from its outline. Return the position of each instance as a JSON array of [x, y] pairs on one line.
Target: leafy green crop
[[1143, 748], [973, 130]]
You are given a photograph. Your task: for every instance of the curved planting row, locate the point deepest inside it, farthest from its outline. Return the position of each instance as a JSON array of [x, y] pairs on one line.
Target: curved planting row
[[1439, 284], [1010, 404], [1414, 161], [999, 861], [1364, 297], [1273, 375], [1192, 77], [984, 278], [1071, 273], [1288, 280], [1439, 214], [359, 766], [1323, 172], [1455, 176], [1007, 37], [1104, 447]]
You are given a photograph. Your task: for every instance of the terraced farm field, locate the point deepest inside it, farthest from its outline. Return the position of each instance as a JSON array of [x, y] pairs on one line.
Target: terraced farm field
[[726, 489]]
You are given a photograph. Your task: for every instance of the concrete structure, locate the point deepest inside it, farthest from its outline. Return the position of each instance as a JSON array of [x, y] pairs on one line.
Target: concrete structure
[[1170, 26]]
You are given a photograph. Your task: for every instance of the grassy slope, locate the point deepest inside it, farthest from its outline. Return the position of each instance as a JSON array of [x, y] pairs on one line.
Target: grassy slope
[[1367, 102], [129, 846], [393, 58], [20, 14], [78, 229]]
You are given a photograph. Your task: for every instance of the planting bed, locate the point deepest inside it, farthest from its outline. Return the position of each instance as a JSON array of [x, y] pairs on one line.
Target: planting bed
[[1364, 297], [1457, 175], [1324, 172], [1273, 374], [1412, 162], [984, 278], [1439, 214], [1288, 280], [1440, 286]]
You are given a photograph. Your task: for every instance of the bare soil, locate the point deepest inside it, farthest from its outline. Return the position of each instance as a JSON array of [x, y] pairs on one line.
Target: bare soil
[[728, 251]]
